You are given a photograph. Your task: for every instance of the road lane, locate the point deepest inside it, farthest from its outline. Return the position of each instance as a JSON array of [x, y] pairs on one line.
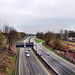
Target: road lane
[[63, 61], [60, 68], [34, 65], [54, 62], [30, 66], [23, 65]]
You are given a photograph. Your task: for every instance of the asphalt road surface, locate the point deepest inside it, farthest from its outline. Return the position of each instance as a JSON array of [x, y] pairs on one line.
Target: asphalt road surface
[[57, 65], [30, 66]]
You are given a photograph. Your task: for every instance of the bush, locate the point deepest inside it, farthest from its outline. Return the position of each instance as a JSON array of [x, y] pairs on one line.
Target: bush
[[2, 42], [56, 44]]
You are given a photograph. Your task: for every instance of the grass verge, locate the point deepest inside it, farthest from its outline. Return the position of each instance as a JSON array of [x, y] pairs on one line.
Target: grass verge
[[13, 62], [38, 40]]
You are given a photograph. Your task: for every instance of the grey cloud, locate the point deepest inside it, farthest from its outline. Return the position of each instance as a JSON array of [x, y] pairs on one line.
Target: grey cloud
[[41, 14]]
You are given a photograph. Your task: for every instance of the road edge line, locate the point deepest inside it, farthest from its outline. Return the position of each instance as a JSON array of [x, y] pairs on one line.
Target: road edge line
[[19, 64]]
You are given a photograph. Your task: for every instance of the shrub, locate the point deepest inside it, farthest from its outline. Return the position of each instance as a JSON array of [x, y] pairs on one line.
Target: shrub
[[2, 42], [56, 44]]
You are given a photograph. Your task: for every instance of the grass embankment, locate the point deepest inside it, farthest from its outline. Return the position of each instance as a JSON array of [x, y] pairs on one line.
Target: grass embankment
[[49, 48], [38, 40], [7, 63]]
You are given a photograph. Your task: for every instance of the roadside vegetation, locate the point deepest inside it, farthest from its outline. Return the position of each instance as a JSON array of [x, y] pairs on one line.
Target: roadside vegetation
[[53, 41], [49, 48], [38, 40], [73, 43], [8, 38]]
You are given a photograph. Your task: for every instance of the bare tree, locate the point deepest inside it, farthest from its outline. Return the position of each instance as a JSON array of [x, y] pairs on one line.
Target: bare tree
[[13, 36], [6, 29]]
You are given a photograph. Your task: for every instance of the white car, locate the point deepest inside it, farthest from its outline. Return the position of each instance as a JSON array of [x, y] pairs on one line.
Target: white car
[[47, 54], [27, 55]]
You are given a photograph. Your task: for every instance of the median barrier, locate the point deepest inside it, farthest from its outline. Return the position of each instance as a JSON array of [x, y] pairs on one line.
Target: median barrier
[[52, 71]]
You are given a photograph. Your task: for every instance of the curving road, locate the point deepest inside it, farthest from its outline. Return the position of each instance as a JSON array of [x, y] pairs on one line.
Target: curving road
[[61, 66]]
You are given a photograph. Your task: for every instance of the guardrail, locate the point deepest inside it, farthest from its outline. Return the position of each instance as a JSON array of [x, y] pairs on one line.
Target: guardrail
[[17, 64], [53, 72]]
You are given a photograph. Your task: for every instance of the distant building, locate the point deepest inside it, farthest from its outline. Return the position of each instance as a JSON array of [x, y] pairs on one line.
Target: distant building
[[70, 38]]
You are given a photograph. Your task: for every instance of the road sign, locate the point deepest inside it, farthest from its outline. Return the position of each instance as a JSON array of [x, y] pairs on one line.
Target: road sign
[[20, 44], [29, 44]]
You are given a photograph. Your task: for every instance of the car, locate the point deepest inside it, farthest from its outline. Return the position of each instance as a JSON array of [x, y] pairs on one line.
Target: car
[[29, 49], [40, 54], [47, 54], [26, 52], [27, 55]]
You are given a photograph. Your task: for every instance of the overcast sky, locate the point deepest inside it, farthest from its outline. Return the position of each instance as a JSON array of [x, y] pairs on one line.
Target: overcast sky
[[31, 16]]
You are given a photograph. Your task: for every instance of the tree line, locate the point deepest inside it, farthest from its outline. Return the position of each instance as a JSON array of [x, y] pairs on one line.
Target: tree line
[[53, 40], [9, 36]]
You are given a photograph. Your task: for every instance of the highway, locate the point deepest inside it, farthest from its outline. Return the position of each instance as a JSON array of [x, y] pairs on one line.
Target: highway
[[54, 61], [31, 65]]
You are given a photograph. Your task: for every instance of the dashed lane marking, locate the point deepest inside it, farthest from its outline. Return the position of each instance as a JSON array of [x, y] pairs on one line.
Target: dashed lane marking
[[39, 73], [25, 57], [33, 62], [28, 69], [26, 61]]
